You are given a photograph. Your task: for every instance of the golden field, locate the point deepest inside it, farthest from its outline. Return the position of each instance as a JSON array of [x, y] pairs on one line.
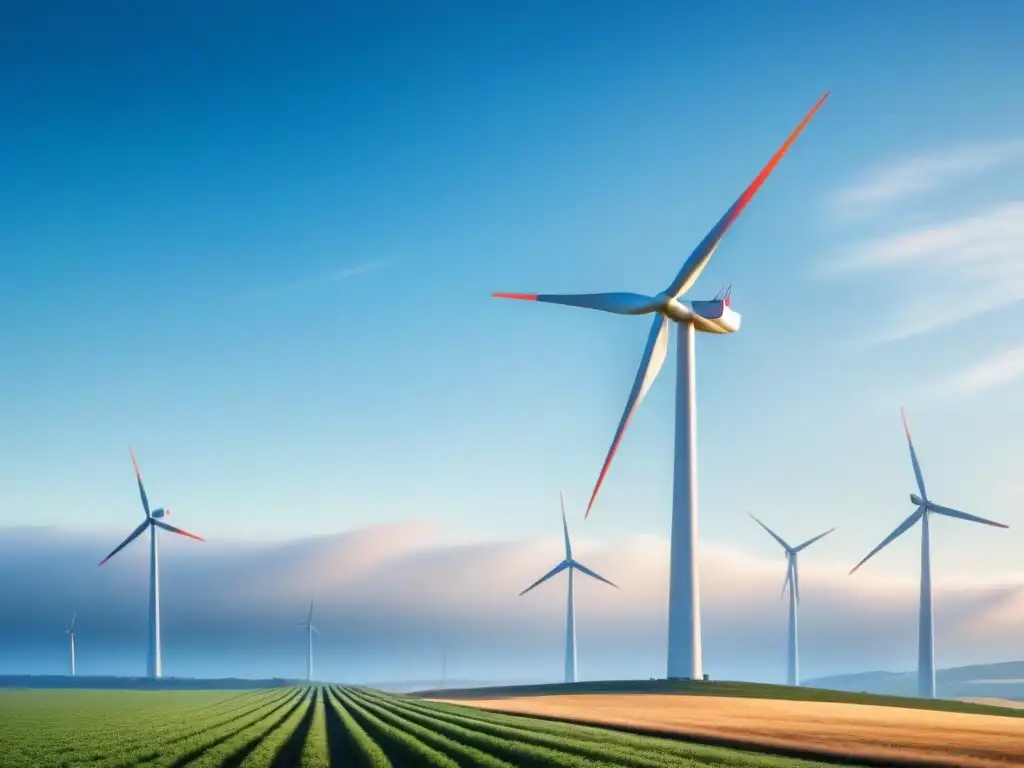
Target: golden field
[[861, 731]]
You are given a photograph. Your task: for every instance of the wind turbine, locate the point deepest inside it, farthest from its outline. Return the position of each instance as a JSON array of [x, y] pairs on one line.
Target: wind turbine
[[310, 629], [154, 663], [571, 565], [793, 582], [70, 632], [444, 667], [926, 624], [716, 316]]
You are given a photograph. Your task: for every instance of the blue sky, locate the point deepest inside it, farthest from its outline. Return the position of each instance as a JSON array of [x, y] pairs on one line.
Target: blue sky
[[259, 243]]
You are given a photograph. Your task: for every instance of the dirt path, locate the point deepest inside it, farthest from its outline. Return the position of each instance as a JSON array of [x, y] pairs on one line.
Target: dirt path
[[844, 730]]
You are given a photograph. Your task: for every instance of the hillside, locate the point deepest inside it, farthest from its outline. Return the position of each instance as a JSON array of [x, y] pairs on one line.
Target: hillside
[[1002, 680]]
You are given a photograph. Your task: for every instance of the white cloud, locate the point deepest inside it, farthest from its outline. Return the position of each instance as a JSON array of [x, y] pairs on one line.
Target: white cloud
[[918, 175], [994, 371], [328, 278], [393, 585], [974, 241], [948, 272]]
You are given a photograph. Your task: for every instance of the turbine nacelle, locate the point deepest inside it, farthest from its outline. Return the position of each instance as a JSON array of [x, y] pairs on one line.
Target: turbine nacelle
[[917, 501], [160, 512], [715, 316]]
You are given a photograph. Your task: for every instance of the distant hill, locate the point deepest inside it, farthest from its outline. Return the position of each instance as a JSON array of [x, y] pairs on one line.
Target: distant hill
[[1004, 680], [140, 683]]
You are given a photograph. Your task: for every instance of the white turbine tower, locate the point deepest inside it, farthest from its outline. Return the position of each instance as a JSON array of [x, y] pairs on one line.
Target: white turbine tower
[[926, 625], [793, 583], [571, 565], [154, 663], [716, 316], [310, 629], [70, 632]]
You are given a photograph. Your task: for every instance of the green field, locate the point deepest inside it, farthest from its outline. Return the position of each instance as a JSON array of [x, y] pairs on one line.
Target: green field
[[315, 726]]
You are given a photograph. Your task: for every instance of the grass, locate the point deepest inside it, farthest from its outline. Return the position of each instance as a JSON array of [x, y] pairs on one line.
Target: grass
[[317, 727], [731, 689]]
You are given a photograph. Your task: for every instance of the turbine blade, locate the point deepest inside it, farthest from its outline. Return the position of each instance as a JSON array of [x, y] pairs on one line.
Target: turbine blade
[[616, 303], [695, 264], [315, 630], [949, 512], [556, 570], [902, 528], [172, 529], [310, 620], [650, 364], [138, 477], [796, 581], [565, 527], [71, 627], [788, 580], [583, 569], [772, 533], [808, 543], [913, 456], [131, 537]]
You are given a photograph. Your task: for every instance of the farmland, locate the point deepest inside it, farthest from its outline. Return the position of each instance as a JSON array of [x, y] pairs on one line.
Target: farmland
[[882, 735], [315, 727]]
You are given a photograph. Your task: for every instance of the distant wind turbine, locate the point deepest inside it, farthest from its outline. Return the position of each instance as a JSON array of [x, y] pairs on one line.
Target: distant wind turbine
[[70, 632], [154, 664], [310, 629], [793, 583], [926, 625], [570, 617]]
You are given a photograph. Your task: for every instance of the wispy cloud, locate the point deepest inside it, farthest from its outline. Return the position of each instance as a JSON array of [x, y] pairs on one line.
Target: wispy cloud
[[953, 270], [995, 371], [919, 175], [318, 281], [395, 587]]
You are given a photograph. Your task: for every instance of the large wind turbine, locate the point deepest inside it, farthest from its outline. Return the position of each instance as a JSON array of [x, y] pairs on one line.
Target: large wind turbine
[[926, 625], [793, 582], [70, 632], [310, 629], [716, 316], [154, 664], [571, 565]]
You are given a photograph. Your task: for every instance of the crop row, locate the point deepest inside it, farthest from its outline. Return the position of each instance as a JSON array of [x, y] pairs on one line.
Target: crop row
[[318, 727]]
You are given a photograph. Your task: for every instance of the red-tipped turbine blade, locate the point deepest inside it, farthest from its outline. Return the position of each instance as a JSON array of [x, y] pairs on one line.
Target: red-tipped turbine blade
[[520, 296], [138, 478], [618, 302], [695, 264], [172, 529], [650, 364]]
